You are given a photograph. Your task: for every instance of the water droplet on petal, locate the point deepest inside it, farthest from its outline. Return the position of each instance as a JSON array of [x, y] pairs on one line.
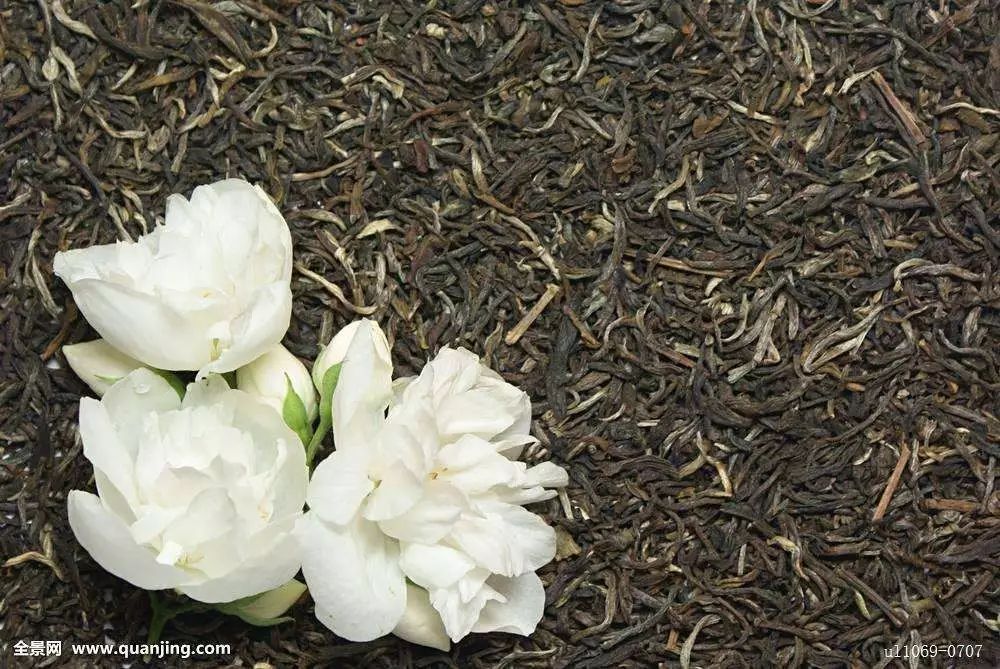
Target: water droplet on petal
[[142, 388]]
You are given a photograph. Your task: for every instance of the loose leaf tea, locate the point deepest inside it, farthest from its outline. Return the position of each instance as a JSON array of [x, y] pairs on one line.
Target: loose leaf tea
[[742, 256]]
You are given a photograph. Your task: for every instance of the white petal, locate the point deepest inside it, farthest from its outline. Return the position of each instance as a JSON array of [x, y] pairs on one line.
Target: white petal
[[142, 326], [409, 435], [339, 485], [210, 390], [99, 364], [461, 605], [249, 235], [454, 370], [363, 390], [111, 428], [353, 574], [396, 493], [472, 465], [520, 409], [467, 452], [521, 496], [421, 623], [512, 446], [261, 325], [277, 449], [105, 450], [108, 541], [335, 352], [506, 539], [547, 474], [431, 518], [273, 558], [141, 392], [209, 515], [521, 612], [399, 387], [434, 566], [480, 411]]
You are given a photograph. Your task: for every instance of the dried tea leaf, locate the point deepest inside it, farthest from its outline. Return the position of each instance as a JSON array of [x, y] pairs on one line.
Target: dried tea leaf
[[69, 22], [705, 124], [566, 546], [376, 226], [50, 69], [70, 67]]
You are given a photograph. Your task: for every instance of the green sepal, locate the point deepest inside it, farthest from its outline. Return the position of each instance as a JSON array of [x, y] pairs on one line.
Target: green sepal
[[174, 381], [293, 410], [330, 379], [163, 611]]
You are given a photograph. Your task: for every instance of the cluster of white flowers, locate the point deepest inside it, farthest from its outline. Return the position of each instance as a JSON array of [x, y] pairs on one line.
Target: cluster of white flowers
[[416, 522]]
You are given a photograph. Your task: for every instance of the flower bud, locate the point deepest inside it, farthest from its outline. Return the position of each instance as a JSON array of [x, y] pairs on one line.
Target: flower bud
[[268, 378], [267, 608], [99, 364], [336, 350]]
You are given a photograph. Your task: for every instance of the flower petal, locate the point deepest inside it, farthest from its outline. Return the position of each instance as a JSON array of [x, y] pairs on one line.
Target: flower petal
[[473, 466], [353, 574], [99, 364], [105, 450], [260, 326], [506, 539], [421, 623], [461, 605], [339, 485], [521, 612], [396, 493], [434, 566], [273, 558], [212, 389], [547, 474], [110, 428], [430, 519], [140, 325], [109, 542], [140, 393], [480, 411]]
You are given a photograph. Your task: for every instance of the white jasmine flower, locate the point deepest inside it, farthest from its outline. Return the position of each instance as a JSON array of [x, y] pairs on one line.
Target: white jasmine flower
[[427, 494], [207, 291], [199, 495]]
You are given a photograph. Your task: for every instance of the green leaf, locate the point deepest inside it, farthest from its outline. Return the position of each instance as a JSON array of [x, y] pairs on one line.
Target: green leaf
[[330, 379], [267, 608], [293, 410]]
